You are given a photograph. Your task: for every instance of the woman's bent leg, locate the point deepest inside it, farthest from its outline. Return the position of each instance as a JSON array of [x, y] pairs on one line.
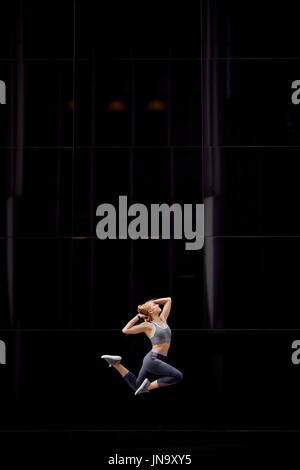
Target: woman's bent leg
[[169, 374], [173, 379], [131, 379], [154, 365]]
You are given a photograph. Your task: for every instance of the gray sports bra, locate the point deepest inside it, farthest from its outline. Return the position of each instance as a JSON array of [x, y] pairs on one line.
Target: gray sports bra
[[161, 334]]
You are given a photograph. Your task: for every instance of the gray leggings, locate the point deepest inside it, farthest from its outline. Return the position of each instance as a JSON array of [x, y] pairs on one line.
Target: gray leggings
[[154, 364]]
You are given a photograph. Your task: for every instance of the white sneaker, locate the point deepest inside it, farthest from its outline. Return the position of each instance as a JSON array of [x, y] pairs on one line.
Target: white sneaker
[[112, 359], [144, 387]]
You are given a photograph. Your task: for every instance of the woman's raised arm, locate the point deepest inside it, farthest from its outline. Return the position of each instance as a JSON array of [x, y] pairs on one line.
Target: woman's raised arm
[[166, 302], [129, 329]]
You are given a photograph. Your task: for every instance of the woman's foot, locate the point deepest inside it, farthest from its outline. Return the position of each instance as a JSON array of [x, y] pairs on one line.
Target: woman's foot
[[143, 388], [111, 359]]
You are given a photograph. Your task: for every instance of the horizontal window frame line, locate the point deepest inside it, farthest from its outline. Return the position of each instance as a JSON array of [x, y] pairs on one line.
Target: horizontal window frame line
[[105, 147], [108, 59], [198, 430], [104, 330], [146, 147], [44, 59], [200, 59]]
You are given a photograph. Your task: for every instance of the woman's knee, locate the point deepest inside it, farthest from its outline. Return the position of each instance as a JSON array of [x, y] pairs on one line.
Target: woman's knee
[[178, 376]]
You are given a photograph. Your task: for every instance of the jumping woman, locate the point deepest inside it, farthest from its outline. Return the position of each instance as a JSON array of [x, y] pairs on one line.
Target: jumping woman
[[154, 363]]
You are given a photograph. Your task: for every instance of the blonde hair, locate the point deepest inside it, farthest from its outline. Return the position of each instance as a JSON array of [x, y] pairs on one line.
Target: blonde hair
[[144, 310]]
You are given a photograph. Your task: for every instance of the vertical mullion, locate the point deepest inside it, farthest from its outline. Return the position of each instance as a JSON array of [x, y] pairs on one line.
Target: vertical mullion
[[92, 188], [131, 178], [171, 263], [202, 148], [73, 163], [73, 114], [59, 201]]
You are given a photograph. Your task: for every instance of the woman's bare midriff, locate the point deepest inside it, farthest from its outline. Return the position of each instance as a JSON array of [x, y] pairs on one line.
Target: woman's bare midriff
[[164, 347]]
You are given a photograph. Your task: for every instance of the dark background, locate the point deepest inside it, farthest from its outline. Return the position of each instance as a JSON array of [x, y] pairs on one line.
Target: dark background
[[162, 102]]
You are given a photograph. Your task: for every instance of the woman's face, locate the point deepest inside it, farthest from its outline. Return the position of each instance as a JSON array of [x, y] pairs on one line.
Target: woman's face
[[154, 308]]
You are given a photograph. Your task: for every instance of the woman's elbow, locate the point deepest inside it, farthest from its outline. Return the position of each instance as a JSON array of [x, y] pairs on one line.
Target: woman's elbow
[[124, 331]]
